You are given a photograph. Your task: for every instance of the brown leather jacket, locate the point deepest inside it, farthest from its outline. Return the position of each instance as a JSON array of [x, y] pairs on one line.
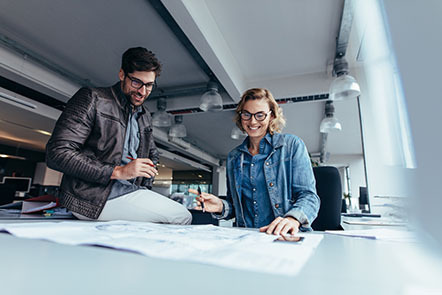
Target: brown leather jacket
[[87, 143]]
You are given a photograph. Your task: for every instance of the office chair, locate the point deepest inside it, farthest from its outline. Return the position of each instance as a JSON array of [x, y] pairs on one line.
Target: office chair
[[7, 193], [329, 189]]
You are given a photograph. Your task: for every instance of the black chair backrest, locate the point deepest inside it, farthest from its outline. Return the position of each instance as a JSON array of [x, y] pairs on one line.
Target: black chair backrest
[[7, 193], [329, 189]]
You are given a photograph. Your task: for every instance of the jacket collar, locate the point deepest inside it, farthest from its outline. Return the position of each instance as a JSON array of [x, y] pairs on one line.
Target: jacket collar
[[276, 140], [122, 99]]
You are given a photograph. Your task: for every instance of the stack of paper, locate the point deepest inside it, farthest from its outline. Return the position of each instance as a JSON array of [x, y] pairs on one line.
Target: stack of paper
[[38, 204]]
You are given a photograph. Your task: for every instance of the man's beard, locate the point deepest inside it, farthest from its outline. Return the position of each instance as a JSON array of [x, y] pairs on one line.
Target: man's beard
[[130, 98]]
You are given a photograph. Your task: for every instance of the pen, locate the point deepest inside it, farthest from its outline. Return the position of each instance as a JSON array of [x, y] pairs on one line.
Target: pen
[[151, 165], [202, 202]]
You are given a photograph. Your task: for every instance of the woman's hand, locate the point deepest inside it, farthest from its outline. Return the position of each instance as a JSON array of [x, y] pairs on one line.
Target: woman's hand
[[282, 226], [212, 203]]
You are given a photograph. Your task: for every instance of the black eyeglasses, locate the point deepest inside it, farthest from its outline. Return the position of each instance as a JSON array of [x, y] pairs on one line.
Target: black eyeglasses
[[259, 116], [137, 83]]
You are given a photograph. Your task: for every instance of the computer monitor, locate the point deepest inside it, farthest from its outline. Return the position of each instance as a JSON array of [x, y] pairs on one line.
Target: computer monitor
[[22, 184]]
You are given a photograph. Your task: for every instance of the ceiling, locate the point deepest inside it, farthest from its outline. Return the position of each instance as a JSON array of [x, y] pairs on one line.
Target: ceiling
[[284, 45]]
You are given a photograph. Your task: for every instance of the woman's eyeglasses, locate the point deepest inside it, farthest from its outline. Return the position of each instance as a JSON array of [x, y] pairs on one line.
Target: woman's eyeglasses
[[259, 116]]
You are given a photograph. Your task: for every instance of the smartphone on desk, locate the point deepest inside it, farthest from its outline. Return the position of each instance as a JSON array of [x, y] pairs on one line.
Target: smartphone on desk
[[289, 238]]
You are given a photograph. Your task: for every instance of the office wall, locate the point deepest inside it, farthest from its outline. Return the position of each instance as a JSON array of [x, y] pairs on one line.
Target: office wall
[[357, 172], [384, 178], [415, 32], [388, 142], [219, 181]]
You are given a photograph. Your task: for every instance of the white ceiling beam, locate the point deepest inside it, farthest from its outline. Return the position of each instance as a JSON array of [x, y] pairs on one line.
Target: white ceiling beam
[[19, 68], [196, 21], [28, 104]]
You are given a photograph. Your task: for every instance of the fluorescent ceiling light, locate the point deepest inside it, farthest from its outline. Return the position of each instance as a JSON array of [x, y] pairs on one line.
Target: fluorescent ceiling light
[[43, 132], [5, 156], [15, 100]]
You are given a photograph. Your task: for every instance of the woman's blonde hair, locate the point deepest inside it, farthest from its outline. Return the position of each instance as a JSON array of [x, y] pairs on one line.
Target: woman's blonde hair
[[278, 121]]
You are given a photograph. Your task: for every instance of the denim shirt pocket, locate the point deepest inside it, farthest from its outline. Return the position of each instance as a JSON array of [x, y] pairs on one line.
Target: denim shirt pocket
[[144, 147]]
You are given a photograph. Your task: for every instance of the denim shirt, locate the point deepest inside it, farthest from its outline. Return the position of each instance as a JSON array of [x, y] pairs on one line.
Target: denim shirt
[[255, 201], [288, 177], [131, 143]]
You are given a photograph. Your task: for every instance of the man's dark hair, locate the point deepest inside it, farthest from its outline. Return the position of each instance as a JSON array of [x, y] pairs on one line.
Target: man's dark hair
[[140, 59]]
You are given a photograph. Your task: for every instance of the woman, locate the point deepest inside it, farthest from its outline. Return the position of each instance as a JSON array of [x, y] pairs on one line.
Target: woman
[[270, 182]]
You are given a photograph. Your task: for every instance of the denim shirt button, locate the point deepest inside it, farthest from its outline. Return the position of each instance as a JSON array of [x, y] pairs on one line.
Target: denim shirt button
[[276, 206], [254, 189], [267, 163], [271, 184]]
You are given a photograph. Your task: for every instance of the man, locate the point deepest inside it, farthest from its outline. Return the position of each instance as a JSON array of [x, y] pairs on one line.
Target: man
[[103, 144]]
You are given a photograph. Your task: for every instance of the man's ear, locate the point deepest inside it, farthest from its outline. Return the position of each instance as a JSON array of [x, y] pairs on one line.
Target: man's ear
[[121, 75]]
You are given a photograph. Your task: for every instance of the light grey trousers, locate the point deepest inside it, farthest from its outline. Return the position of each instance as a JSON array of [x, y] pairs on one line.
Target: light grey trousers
[[143, 205]]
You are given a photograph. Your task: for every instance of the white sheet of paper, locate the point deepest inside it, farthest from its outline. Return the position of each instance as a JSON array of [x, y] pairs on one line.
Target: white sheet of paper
[[386, 234], [32, 207], [374, 222], [228, 247]]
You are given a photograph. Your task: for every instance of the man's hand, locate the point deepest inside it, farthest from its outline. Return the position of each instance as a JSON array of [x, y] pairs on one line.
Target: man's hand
[[212, 203], [141, 167], [282, 226]]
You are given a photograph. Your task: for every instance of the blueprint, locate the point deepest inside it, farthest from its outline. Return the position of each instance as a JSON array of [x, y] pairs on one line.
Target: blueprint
[[209, 244]]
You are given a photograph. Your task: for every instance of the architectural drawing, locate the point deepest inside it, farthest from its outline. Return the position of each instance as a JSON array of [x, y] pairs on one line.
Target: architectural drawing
[[228, 247]]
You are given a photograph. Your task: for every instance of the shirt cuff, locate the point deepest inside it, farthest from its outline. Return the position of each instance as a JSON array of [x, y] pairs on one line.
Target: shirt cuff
[[300, 216], [224, 213]]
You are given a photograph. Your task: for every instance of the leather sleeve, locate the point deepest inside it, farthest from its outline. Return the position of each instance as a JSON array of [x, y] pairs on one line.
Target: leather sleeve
[[154, 155], [64, 149]]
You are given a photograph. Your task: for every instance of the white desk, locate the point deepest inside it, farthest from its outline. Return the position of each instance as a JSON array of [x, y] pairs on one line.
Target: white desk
[[340, 265]]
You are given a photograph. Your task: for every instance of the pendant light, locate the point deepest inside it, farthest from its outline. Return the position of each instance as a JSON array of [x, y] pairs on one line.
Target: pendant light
[[329, 123], [211, 99], [344, 86], [178, 129], [161, 118], [237, 134]]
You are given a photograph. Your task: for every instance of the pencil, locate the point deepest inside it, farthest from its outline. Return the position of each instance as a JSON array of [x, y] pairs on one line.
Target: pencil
[[151, 165], [202, 202]]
